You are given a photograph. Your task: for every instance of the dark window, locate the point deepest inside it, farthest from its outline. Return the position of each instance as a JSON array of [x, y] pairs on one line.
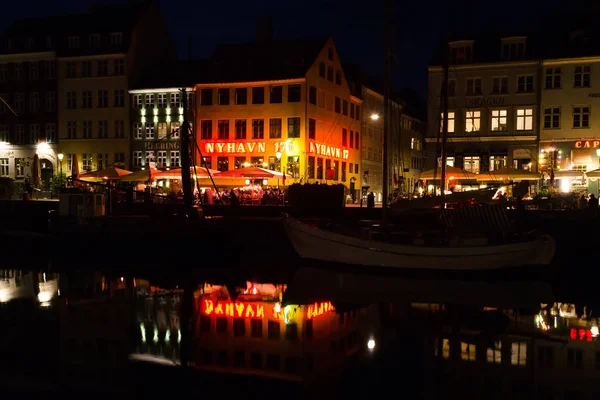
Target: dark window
[[311, 169], [240, 129], [345, 107], [204, 323], [241, 96], [223, 126], [275, 128], [343, 171], [330, 53], [344, 137], [356, 136], [312, 128], [206, 129], [206, 97], [274, 362], [276, 94], [291, 366], [258, 95], [351, 136], [223, 95], [221, 325], [256, 361], [330, 73], [309, 363], [322, 69], [312, 95], [222, 358], [239, 359], [294, 93], [294, 127], [357, 113], [258, 129], [341, 318], [308, 328], [338, 105], [205, 357], [239, 327], [291, 331], [351, 110], [338, 77], [256, 326], [274, 330]]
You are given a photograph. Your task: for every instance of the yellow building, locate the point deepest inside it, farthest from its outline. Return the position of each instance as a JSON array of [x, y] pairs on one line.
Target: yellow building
[[94, 74], [280, 103]]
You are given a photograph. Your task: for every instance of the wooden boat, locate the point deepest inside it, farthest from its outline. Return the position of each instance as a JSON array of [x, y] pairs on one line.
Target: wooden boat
[[317, 244]]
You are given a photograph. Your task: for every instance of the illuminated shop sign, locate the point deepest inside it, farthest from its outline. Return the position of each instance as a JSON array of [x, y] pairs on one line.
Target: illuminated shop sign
[[246, 147], [318, 309], [581, 334], [328, 151], [232, 309], [587, 144]]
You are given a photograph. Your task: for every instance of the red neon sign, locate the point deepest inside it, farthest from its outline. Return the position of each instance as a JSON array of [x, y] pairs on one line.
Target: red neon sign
[[319, 309], [329, 151], [581, 334], [232, 309]]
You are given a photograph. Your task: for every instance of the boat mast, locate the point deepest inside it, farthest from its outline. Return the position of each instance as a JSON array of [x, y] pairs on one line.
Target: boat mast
[[443, 153], [387, 115], [186, 179]]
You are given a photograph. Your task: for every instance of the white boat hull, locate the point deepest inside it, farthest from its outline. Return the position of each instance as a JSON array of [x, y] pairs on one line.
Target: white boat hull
[[316, 244]]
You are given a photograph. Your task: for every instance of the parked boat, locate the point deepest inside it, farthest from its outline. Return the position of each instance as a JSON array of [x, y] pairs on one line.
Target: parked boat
[[313, 243]]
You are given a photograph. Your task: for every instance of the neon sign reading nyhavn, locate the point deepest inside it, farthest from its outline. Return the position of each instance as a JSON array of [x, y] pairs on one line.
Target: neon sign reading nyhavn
[[232, 309], [328, 151]]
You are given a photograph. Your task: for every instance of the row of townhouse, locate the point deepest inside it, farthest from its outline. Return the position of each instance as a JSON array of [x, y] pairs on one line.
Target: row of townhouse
[[79, 88], [514, 105]]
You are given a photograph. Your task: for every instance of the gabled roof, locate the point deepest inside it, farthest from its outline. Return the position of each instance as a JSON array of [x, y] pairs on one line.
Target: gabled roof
[[264, 61]]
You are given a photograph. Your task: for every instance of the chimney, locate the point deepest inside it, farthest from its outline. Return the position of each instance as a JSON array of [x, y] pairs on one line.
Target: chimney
[[264, 29]]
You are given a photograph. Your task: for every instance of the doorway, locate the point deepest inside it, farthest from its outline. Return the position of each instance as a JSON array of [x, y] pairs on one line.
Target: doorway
[[47, 172]]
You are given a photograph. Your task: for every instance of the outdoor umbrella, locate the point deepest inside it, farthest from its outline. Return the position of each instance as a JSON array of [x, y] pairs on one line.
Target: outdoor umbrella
[[175, 173], [144, 175], [36, 172], [110, 174], [251, 172]]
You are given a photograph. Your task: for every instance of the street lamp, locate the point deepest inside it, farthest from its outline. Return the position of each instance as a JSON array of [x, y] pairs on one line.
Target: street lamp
[[374, 116], [60, 158]]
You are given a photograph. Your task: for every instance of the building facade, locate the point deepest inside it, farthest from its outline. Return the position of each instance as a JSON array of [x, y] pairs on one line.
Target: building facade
[[96, 66], [28, 109], [156, 117], [570, 130], [493, 113], [285, 105], [372, 142], [411, 157]]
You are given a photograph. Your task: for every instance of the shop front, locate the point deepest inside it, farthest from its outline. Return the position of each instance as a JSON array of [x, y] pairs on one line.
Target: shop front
[[16, 162], [483, 158], [570, 166]]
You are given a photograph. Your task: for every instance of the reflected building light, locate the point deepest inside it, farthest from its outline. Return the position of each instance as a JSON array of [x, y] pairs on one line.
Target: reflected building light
[[371, 344], [48, 289]]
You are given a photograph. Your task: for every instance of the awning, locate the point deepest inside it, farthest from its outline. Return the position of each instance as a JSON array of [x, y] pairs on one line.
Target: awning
[[508, 174], [567, 173], [451, 172]]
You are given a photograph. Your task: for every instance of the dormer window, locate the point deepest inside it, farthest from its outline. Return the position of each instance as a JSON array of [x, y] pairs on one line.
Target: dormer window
[[73, 42], [116, 38], [461, 52], [514, 48], [94, 40]]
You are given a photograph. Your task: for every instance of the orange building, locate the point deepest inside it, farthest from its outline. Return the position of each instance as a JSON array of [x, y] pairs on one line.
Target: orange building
[[280, 105]]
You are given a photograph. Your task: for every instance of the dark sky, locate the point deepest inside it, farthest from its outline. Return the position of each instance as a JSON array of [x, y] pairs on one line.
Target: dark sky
[[356, 26]]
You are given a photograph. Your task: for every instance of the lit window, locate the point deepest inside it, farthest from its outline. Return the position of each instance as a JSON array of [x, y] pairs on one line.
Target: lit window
[[472, 164], [494, 353], [467, 351], [499, 120], [450, 122], [524, 119], [497, 162], [519, 354], [472, 121]]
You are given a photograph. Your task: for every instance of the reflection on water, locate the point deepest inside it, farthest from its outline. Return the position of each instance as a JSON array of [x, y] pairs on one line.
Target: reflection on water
[[82, 329]]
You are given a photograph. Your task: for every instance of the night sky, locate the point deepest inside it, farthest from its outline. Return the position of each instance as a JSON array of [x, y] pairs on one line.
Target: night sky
[[355, 26]]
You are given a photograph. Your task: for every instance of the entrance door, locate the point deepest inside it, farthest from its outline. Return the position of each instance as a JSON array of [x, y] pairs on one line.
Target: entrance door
[[353, 191], [47, 172]]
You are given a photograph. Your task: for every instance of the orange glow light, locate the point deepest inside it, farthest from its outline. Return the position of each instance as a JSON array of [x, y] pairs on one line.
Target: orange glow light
[[232, 309], [319, 309]]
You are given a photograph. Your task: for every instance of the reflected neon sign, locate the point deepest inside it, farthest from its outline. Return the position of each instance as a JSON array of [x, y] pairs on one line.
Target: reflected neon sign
[[318, 309], [581, 334], [232, 309]]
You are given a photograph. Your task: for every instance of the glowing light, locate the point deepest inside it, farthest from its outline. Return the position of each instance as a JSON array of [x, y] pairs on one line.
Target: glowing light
[[168, 336], [43, 148], [44, 297], [371, 344], [179, 336], [581, 334], [143, 330], [60, 156], [155, 338], [277, 307], [329, 151], [595, 331], [374, 116]]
